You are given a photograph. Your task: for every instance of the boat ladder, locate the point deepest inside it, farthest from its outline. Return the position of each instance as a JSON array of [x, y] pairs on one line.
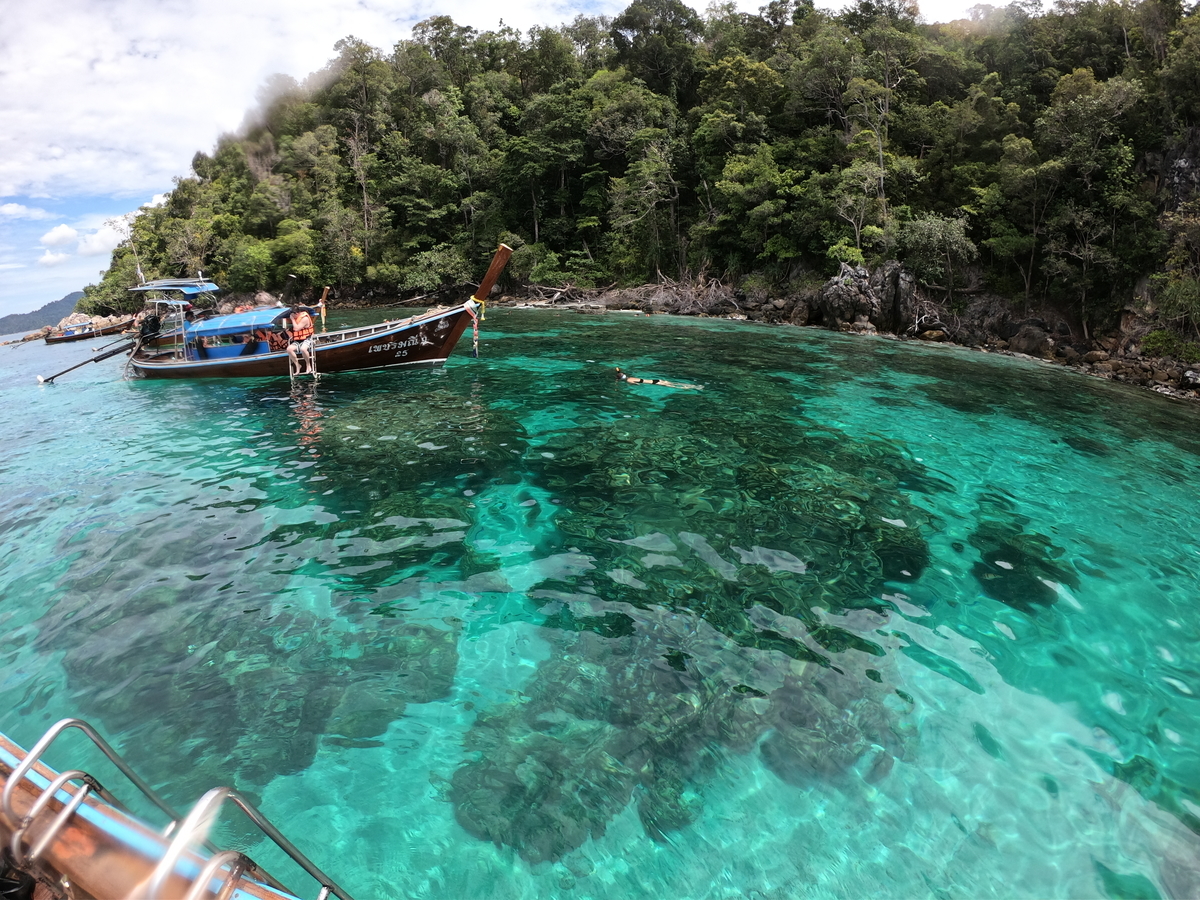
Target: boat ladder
[[83, 843]]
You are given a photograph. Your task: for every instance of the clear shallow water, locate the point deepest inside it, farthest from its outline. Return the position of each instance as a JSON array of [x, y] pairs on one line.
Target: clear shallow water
[[859, 618]]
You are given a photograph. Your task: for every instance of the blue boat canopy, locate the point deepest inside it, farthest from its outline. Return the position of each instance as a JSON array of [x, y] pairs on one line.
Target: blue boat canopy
[[185, 285], [237, 323]]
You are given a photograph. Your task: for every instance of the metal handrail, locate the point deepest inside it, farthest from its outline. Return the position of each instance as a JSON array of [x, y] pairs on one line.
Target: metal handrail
[[19, 856], [34, 755], [182, 831], [202, 813], [237, 863]]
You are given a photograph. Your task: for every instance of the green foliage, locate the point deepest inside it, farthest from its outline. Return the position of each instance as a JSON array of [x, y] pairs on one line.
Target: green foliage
[[252, 267], [661, 142], [388, 274], [1181, 73], [842, 252], [1180, 298], [438, 267], [758, 226], [936, 247], [111, 296], [1179, 286], [1168, 343], [657, 41], [575, 268]]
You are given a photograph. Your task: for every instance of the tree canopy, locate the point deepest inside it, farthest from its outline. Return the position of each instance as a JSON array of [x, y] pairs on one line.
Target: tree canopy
[[1029, 147]]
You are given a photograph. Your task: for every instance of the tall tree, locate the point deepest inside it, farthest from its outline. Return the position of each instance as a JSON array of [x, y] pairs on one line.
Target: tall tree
[[657, 41], [1017, 206]]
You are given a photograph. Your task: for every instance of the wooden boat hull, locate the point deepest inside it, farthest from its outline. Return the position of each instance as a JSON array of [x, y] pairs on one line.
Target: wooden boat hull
[[84, 335], [421, 342]]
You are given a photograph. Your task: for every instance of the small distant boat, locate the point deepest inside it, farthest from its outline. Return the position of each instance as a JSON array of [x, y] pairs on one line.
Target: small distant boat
[[250, 344], [87, 330]]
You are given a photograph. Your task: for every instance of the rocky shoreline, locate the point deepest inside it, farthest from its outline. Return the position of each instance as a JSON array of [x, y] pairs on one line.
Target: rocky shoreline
[[889, 302]]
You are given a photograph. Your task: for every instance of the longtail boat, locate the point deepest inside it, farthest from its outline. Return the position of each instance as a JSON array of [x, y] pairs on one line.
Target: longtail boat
[[86, 330], [251, 344]]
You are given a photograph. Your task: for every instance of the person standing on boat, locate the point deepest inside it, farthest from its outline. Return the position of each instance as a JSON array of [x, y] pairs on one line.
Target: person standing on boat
[[301, 345]]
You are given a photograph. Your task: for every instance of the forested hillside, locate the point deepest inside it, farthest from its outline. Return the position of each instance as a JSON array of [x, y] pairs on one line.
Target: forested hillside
[[50, 314], [1050, 155]]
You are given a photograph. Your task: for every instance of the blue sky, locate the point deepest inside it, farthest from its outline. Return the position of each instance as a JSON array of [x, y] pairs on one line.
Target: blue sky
[[50, 246], [103, 104]]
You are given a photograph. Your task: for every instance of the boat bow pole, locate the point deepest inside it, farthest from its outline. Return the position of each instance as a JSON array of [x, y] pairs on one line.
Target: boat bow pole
[[499, 261], [127, 346]]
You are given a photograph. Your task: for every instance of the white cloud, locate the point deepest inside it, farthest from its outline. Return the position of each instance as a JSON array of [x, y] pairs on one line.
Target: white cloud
[[59, 236], [105, 98], [103, 240], [18, 211]]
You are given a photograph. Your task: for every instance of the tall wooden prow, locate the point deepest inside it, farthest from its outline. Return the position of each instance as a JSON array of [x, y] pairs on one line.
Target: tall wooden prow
[[499, 261]]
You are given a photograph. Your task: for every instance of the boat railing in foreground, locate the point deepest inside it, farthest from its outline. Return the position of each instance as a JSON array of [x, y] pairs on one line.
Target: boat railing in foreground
[[79, 841]]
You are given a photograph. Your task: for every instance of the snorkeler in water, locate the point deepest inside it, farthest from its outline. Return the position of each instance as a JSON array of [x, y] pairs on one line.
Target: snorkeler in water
[[633, 379]]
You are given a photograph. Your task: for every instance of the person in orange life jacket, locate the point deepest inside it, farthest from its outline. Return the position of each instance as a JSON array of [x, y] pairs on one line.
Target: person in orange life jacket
[[300, 331]]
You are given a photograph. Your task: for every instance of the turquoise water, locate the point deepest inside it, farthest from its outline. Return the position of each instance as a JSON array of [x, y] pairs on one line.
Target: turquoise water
[[859, 618]]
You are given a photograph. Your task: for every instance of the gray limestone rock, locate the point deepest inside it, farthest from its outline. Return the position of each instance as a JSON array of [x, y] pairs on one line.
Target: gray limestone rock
[[845, 297], [1032, 341], [896, 290], [885, 298]]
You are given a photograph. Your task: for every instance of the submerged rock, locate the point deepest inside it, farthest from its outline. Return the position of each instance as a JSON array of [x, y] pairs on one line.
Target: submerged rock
[[607, 721], [545, 789], [260, 696], [637, 700], [1019, 568], [666, 803]]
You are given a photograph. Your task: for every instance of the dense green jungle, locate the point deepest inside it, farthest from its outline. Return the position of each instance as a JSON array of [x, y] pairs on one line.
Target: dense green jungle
[[1041, 155]]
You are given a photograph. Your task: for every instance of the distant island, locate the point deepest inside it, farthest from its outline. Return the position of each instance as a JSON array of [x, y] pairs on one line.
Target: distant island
[[50, 314]]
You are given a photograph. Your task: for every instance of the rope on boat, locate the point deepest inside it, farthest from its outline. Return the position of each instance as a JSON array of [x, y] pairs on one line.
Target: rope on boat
[[475, 333]]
